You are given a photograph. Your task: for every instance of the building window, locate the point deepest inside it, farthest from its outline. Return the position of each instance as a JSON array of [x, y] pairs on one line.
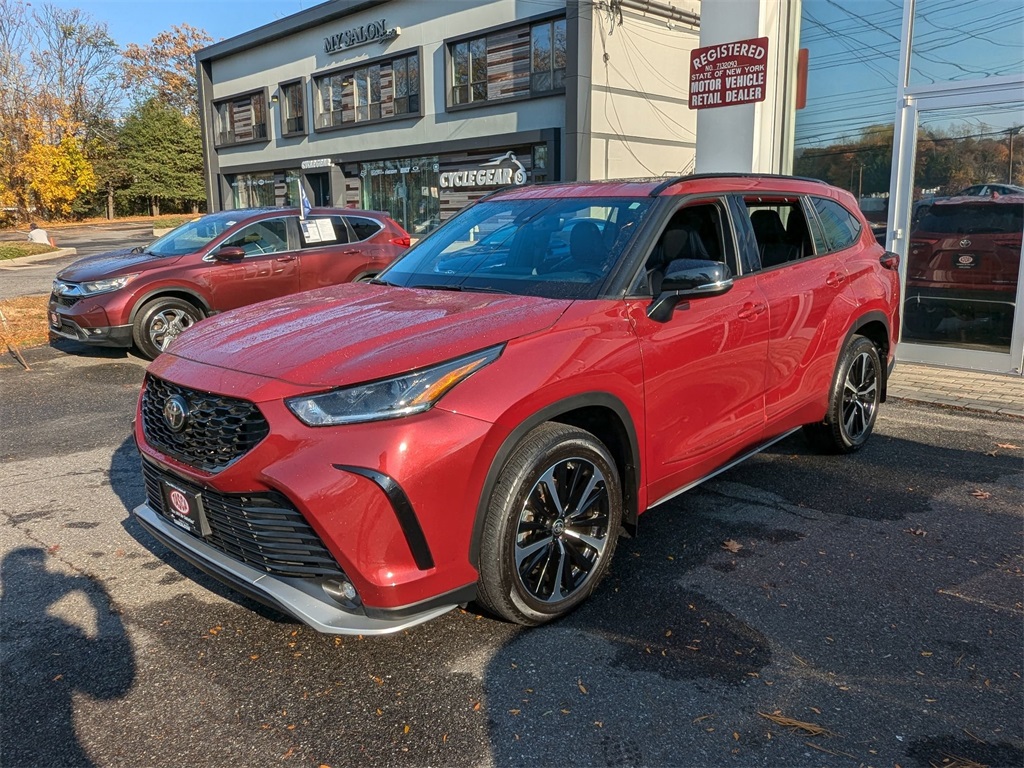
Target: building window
[[547, 56], [513, 62], [374, 92], [469, 71], [293, 108], [241, 119]]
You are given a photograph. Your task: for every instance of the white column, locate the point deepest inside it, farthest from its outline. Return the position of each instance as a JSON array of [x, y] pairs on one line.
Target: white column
[[752, 138]]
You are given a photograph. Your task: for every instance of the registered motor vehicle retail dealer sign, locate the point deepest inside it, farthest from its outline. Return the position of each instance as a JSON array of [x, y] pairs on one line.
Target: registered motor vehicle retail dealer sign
[[728, 74]]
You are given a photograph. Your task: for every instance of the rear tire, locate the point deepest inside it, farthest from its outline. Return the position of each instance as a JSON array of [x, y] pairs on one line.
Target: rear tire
[[160, 322], [853, 401], [551, 526]]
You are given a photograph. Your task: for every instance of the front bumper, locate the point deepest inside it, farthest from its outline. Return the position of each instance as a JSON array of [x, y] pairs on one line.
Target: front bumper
[[300, 598], [103, 336]]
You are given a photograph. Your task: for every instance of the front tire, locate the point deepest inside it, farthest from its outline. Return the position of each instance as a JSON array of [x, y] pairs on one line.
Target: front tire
[[551, 525], [853, 401], [160, 322]]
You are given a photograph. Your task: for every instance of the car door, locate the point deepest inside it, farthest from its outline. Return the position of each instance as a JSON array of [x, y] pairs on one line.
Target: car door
[[704, 366], [805, 284], [270, 267], [326, 250]]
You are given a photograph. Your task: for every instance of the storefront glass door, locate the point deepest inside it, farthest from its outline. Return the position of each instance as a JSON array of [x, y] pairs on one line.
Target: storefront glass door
[[962, 221]]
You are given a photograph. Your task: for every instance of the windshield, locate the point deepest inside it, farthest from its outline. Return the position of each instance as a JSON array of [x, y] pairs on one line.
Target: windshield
[[193, 236], [554, 248]]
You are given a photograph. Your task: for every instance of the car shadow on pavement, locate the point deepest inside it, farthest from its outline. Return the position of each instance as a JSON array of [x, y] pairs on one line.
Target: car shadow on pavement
[[127, 483], [38, 686], [79, 349]]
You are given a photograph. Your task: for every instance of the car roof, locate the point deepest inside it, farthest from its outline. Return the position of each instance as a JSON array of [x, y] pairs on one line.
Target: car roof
[[1016, 199], [248, 213], [667, 187]]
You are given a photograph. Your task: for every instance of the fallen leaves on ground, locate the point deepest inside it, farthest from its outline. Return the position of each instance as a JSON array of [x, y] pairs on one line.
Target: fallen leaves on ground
[[26, 321], [955, 761], [1010, 446], [812, 729], [980, 494], [916, 531], [732, 546]]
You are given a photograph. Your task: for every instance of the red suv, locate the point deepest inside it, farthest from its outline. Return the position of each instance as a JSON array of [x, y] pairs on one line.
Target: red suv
[[963, 266], [221, 261], [482, 422]]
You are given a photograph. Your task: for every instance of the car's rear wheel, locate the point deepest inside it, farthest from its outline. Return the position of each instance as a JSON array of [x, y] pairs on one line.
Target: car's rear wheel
[[160, 322], [551, 525], [853, 401]]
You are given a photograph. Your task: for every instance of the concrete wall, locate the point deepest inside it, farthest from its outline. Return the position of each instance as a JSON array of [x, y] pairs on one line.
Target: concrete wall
[[640, 122]]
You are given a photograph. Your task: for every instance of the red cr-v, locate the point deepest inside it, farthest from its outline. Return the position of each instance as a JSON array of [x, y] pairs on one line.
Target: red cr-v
[[483, 419], [221, 261]]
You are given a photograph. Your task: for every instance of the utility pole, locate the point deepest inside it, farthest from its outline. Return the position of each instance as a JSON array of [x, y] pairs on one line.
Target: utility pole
[[1013, 133]]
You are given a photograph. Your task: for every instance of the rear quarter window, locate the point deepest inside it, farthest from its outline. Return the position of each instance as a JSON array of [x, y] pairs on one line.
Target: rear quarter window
[[840, 227], [364, 228]]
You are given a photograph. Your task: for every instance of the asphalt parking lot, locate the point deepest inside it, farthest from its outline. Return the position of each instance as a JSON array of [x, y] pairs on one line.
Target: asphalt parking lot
[[874, 599]]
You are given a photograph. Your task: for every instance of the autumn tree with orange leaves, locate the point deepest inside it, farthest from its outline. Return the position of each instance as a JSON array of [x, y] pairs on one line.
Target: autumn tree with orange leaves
[[59, 71]]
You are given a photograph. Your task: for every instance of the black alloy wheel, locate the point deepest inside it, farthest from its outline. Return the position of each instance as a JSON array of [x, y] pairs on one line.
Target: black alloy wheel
[[551, 527], [853, 404]]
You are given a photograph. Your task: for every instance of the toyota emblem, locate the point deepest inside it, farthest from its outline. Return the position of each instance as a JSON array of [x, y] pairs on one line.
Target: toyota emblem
[[176, 412], [965, 243]]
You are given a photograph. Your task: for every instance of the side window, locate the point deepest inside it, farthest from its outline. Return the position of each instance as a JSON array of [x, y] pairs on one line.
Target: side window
[[842, 229], [364, 228], [270, 236], [696, 232], [319, 231], [780, 229]]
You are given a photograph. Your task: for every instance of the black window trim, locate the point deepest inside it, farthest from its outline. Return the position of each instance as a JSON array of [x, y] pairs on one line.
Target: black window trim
[[214, 103], [529, 21], [301, 81], [821, 227], [351, 67], [352, 229]]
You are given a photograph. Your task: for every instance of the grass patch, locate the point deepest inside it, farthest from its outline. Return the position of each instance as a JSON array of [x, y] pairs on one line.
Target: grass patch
[[170, 222], [18, 249], [26, 321]]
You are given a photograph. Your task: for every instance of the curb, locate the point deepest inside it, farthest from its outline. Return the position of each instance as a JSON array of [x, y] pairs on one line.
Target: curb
[[36, 257]]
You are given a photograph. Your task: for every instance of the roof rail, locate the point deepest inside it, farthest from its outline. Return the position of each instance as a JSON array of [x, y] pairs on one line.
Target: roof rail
[[691, 176]]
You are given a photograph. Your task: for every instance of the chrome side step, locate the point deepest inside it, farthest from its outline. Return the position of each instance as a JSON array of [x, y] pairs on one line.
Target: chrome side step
[[723, 468]]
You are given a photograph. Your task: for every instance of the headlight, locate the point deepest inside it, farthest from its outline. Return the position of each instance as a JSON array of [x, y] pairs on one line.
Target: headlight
[[107, 284], [389, 398]]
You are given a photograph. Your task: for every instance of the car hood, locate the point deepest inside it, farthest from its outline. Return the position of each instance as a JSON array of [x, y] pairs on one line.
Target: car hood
[[358, 332], [112, 264]]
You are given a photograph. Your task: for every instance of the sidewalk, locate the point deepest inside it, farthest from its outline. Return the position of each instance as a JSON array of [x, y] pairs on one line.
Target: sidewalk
[[971, 390]]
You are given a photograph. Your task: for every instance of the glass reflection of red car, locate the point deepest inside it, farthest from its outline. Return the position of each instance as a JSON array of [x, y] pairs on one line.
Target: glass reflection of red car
[[964, 261]]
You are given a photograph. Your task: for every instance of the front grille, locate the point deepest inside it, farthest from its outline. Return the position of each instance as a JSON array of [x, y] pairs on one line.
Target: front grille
[[65, 301], [262, 530], [218, 430]]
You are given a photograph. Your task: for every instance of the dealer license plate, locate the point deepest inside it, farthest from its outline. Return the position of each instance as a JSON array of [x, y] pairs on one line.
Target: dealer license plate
[[55, 320], [185, 509], [966, 261]]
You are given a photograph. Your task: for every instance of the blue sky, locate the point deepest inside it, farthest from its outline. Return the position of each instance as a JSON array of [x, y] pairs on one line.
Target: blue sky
[[139, 21]]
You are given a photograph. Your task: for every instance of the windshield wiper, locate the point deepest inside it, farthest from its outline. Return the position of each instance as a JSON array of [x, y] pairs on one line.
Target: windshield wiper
[[460, 288], [378, 281]]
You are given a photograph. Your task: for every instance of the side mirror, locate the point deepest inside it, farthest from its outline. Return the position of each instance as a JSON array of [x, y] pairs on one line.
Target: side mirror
[[688, 279], [229, 253]]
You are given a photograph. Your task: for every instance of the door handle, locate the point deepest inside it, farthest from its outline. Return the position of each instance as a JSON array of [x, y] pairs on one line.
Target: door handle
[[834, 279], [751, 311], [286, 258], [350, 251]]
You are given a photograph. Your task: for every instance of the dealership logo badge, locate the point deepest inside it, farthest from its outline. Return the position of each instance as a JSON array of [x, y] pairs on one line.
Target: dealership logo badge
[[176, 412], [966, 259], [965, 243], [179, 502]]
